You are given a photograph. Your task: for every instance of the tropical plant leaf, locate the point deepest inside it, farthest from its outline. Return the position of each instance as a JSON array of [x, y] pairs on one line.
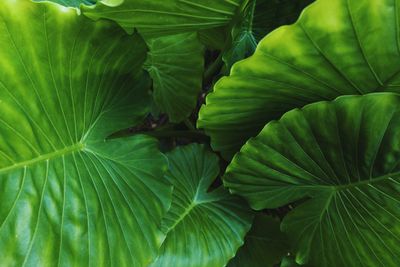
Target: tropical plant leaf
[[342, 159], [291, 262], [203, 228], [214, 38], [68, 196], [335, 48], [176, 65], [265, 245], [70, 3], [260, 17], [154, 17]]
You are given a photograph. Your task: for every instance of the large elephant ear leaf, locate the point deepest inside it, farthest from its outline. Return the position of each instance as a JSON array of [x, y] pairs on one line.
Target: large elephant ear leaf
[[176, 65], [203, 228], [155, 17], [335, 48], [341, 159], [68, 196]]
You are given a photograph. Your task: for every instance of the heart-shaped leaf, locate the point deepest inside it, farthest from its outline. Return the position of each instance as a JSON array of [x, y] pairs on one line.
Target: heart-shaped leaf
[[204, 228], [69, 197], [335, 48], [341, 159]]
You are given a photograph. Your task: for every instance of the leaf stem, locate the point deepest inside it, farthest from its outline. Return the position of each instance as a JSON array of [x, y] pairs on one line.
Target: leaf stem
[[189, 124], [213, 69]]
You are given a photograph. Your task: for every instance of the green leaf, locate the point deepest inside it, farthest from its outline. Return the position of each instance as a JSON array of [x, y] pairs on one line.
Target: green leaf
[[154, 17], [214, 38], [70, 3], [260, 17], [204, 228], [335, 48], [291, 262], [68, 196], [341, 159], [78, 3], [176, 65], [265, 245]]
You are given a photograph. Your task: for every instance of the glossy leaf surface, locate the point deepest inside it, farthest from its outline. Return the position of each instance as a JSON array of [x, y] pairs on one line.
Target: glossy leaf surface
[[68, 196], [203, 228], [336, 48], [341, 159]]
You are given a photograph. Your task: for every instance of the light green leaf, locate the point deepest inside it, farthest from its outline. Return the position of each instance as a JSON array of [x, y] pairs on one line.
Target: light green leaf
[[176, 65], [70, 3], [341, 159], [154, 17], [204, 228], [68, 196], [78, 3], [265, 245], [336, 48]]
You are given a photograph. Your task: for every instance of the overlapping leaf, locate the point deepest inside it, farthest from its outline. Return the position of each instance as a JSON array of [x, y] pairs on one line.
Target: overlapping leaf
[[154, 17], [176, 65], [69, 197], [336, 48], [260, 18], [265, 245], [342, 159], [203, 228]]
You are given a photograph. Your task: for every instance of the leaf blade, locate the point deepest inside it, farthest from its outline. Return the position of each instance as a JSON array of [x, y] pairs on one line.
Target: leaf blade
[[65, 192]]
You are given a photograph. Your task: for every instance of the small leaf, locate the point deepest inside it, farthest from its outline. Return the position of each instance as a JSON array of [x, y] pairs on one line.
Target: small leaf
[[176, 65], [204, 228], [259, 18], [341, 159]]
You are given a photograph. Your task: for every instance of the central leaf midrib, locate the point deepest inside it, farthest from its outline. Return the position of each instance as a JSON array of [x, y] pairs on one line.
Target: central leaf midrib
[[41, 158], [368, 181], [196, 201]]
